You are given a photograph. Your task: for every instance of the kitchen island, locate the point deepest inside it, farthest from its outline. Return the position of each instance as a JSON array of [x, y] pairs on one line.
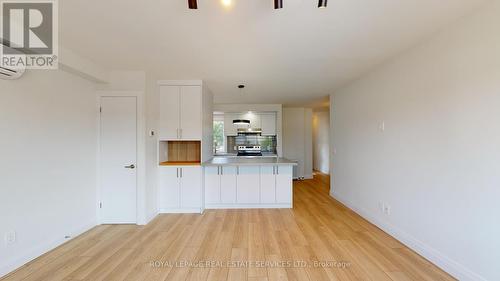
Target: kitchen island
[[248, 182]]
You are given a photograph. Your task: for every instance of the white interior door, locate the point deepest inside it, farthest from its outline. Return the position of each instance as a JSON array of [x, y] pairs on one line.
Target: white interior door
[[118, 158]]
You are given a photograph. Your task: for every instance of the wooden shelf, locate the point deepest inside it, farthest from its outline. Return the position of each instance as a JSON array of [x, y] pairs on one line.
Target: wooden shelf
[[180, 163]]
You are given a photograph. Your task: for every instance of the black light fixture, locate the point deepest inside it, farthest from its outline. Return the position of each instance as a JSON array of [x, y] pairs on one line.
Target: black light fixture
[[278, 4], [193, 4], [241, 122], [322, 3]]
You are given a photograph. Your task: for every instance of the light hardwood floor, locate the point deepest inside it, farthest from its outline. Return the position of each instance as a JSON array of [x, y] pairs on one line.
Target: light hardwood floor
[[317, 229]]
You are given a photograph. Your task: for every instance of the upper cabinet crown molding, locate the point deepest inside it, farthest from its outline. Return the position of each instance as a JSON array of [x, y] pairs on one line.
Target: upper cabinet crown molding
[[180, 82]]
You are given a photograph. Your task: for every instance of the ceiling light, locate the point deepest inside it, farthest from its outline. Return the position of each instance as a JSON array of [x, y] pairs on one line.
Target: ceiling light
[[226, 3], [278, 4], [322, 3], [192, 4]]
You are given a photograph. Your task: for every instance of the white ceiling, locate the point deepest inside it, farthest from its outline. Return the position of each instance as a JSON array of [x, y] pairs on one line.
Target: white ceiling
[[296, 55]]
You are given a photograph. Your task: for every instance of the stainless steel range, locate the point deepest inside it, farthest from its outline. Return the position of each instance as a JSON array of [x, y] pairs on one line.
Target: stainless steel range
[[249, 150]]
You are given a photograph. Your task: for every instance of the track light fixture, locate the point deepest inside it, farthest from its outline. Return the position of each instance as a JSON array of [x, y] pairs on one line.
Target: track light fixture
[[278, 4], [193, 4]]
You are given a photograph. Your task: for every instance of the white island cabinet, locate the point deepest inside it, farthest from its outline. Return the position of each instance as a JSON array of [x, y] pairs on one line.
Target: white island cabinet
[[239, 183]]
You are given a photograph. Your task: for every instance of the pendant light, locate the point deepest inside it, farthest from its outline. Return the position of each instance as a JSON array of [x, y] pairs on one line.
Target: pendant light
[[278, 4], [241, 122], [322, 3], [192, 4]]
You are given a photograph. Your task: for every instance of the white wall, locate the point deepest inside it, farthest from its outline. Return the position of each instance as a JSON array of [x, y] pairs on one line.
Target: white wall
[[152, 121], [48, 144], [321, 141], [297, 138], [438, 161]]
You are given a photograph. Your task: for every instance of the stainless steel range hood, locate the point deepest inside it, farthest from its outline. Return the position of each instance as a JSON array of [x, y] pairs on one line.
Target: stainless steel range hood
[[249, 131]]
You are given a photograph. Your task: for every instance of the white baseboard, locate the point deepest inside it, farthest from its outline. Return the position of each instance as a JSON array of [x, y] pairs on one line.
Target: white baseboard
[[181, 211], [249, 206], [10, 266], [447, 264], [149, 218]]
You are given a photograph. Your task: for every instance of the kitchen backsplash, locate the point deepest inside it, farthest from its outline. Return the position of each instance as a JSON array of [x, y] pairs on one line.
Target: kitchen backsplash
[[268, 143]]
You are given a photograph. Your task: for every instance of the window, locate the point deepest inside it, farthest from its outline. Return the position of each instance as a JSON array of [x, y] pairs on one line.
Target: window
[[219, 141]]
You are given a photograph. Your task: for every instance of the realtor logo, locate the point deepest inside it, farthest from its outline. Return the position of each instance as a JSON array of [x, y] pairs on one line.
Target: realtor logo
[[29, 34]]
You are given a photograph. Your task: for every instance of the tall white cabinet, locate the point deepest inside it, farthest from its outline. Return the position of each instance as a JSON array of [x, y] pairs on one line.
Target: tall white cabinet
[[185, 115], [180, 112]]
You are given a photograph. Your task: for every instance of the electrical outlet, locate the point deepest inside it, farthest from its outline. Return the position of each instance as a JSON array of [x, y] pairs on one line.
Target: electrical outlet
[[10, 238], [381, 126], [387, 209]]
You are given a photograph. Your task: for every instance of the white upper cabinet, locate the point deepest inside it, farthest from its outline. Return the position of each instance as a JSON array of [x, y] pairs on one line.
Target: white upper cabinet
[[229, 128], [190, 112], [268, 124], [180, 113], [254, 119], [265, 121], [169, 112]]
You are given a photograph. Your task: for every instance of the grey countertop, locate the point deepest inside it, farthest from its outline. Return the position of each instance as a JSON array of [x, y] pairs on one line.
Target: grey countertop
[[248, 161]]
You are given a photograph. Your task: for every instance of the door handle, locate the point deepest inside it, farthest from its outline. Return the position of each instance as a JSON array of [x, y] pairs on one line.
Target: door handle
[[181, 171], [221, 171], [132, 166]]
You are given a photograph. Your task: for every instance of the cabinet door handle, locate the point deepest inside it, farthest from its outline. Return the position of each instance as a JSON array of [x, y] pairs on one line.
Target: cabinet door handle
[[181, 172], [277, 170], [237, 170], [221, 171], [180, 133], [177, 169]]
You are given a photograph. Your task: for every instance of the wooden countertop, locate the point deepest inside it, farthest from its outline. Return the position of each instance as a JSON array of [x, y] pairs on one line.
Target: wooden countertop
[[180, 163]]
